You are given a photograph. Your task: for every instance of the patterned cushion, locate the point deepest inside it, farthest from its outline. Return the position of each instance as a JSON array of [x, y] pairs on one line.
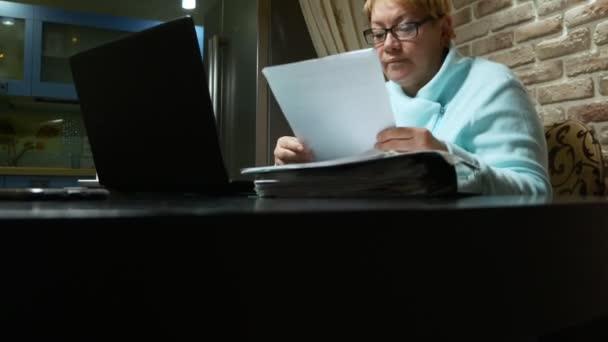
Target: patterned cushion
[[575, 159]]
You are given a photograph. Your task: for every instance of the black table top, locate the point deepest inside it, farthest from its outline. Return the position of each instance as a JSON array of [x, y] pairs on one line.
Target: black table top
[[148, 205], [175, 267]]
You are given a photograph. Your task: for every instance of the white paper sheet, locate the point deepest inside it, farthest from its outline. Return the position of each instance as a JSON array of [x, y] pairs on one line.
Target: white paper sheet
[[337, 104]]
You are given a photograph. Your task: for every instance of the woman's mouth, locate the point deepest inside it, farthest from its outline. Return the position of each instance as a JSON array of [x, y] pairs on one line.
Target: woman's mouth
[[393, 61]]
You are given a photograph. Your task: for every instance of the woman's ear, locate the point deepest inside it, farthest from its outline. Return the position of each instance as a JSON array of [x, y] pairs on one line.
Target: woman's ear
[[447, 31]]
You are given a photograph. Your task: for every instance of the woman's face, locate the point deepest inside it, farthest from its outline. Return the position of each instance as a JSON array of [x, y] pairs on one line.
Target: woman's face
[[410, 63]]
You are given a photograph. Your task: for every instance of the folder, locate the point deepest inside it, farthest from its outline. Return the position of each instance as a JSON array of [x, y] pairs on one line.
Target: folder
[[373, 174]]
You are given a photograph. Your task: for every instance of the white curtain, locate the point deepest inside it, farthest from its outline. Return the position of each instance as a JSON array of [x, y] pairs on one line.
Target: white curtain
[[335, 26]]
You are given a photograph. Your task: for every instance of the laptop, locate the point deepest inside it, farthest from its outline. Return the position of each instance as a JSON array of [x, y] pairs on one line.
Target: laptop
[[148, 114]]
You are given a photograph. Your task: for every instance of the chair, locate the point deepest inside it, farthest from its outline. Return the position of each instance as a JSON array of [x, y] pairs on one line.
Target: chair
[[576, 165]]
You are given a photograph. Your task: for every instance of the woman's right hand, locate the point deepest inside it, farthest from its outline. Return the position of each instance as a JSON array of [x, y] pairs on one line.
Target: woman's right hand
[[290, 150]]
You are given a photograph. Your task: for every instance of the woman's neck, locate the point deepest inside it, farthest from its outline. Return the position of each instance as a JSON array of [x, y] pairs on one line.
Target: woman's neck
[[412, 90]]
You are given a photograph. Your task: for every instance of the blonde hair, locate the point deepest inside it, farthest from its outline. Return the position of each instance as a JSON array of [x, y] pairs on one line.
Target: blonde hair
[[434, 8]]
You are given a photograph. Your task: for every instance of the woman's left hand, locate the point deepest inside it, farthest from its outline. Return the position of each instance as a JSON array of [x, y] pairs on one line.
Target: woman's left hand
[[408, 139]]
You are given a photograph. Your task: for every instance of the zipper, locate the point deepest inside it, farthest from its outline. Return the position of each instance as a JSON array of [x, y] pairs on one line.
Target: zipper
[[438, 118]]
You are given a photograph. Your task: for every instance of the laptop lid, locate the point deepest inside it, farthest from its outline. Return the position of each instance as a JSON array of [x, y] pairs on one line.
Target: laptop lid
[[148, 113]]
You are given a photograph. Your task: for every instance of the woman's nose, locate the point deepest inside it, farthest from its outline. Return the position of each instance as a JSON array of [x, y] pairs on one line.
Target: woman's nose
[[390, 41]]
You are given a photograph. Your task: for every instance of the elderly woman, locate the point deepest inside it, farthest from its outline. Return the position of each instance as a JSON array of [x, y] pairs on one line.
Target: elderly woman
[[469, 107]]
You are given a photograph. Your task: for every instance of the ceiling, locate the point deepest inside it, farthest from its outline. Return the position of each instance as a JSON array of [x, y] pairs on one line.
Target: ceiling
[[162, 10]]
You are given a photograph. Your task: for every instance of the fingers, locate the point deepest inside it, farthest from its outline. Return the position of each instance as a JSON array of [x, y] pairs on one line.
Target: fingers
[[290, 143], [402, 133], [399, 145], [285, 156], [408, 139], [291, 150]]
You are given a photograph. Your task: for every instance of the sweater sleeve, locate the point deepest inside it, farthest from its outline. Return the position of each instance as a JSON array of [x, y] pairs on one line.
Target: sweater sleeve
[[503, 146]]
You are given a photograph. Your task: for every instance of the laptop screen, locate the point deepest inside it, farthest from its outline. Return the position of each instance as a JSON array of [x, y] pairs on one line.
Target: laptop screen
[[147, 111]]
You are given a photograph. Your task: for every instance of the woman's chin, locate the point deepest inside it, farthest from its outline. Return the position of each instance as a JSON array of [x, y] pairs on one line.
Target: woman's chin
[[400, 77], [396, 74]]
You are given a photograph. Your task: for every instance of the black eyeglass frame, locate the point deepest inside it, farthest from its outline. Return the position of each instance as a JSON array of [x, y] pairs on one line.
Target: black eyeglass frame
[[369, 33]]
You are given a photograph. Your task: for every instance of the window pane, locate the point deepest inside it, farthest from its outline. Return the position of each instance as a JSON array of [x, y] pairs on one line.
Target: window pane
[[12, 48], [60, 41]]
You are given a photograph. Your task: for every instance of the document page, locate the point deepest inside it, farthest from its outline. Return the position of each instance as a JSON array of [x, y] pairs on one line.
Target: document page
[[337, 104]]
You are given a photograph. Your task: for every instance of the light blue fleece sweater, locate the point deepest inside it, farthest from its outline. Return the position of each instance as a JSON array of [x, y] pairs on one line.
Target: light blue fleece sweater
[[484, 115]]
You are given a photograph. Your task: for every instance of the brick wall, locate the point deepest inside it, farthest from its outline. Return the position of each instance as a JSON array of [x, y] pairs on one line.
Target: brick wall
[[558, 48]]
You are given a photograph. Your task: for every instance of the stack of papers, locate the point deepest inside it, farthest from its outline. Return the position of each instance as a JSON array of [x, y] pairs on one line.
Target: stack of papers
[[336, 105], [376, 174]]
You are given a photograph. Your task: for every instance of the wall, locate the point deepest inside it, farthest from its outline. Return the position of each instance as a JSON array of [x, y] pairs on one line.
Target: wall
[[558, 48]]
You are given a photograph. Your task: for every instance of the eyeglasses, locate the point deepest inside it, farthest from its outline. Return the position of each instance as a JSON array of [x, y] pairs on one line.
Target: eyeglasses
[[405, 31]]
